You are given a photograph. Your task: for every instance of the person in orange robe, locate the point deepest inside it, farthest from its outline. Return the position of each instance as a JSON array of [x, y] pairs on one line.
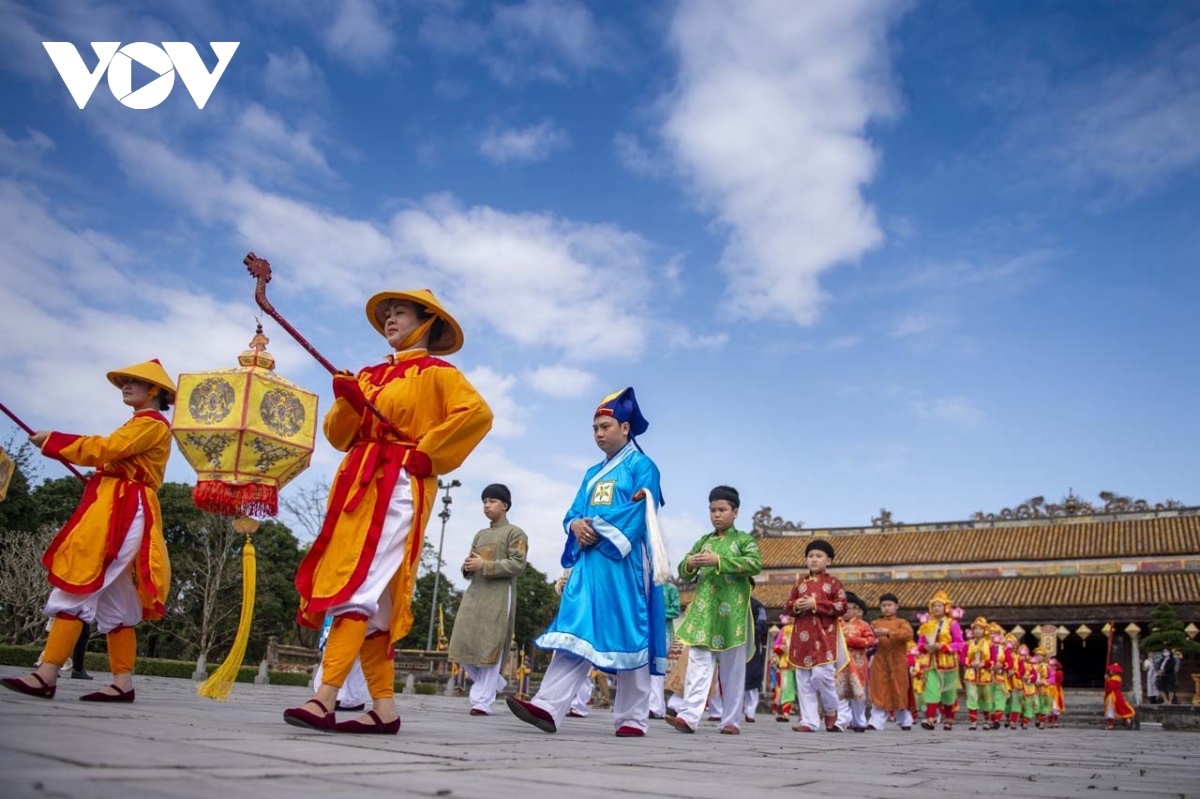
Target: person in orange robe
[[362, 568], [109, 562], [1115, 706]]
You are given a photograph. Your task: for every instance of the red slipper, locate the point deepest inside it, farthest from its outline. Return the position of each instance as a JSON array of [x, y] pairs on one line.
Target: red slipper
[[101, 696], [45, 691], [477, 712], [629, 732], [574, 714], [680, 724], [802, 728], [531, 714], [379, 727], [729, 729], [299, 717]]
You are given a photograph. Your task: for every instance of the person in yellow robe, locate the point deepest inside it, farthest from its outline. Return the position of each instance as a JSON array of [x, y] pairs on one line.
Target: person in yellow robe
[[362, 568], [109, 562]]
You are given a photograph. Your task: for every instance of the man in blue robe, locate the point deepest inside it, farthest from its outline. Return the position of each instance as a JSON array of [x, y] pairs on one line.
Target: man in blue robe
[[612, 614]]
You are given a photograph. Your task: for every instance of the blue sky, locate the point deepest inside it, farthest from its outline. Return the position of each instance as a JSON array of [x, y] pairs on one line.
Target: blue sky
[[930, 256]]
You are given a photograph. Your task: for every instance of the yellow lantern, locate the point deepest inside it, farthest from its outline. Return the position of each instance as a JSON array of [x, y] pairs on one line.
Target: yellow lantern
[[7, 468], [246, 431]]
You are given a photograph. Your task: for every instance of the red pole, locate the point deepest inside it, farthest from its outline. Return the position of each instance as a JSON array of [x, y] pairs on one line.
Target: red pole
[[260, 270], [17, 420]]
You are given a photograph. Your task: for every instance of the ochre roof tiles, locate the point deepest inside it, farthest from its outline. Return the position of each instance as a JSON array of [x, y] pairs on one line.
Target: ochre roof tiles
[[1023, 592], [1060, 540]]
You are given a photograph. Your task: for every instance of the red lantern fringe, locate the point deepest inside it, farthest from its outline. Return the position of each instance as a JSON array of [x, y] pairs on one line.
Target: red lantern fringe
[[226, 499]]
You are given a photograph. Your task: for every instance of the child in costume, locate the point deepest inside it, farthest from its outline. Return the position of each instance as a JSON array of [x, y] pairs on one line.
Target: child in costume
[[918, 667], [889, 677], [488, 611], [1044, 701], [718, 628], [784, 700], [1000, 671], [852, 680], [1057, 704], [817, 650], [1115, 706], [1029, 686], [362, 568], [109, 562], [612, 614], [941, 638], [977, 673], [758, 659]]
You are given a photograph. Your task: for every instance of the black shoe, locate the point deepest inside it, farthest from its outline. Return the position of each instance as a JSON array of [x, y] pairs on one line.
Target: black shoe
[[80, 675]]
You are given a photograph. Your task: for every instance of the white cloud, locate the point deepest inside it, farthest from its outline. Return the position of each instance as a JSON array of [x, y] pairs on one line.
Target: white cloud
[[960, 410], [73, 304], [635, 157], [292, 75], [547, 40], [914, 324], [262, 143], [564, 382], [496, 389], [678, 336], [768, 124], [539, 505], [842, 343], [24, 155], [359, 34], [532, 143], [531, 277]]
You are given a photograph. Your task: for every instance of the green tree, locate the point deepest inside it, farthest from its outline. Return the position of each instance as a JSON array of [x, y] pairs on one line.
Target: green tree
[[1166, 632], [18, 511], [276, 599], [56, 499], [422, 601], [537, 604]]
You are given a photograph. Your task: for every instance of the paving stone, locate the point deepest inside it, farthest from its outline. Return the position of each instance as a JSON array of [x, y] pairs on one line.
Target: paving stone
[[172, 743]]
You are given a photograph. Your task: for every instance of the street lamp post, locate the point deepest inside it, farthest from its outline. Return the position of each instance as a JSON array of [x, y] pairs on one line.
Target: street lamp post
[[437, 573]]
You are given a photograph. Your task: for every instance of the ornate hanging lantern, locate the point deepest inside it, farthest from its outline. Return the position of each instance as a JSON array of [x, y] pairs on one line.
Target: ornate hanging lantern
[[246, 431]]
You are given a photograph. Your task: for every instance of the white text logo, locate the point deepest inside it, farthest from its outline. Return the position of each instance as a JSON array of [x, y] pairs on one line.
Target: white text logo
[[172, 57]]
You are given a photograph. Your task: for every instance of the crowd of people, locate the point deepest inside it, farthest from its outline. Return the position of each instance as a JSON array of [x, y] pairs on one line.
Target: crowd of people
[[413, 417]]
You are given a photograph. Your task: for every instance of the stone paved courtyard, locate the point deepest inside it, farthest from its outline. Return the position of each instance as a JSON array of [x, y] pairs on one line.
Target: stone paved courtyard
[[171, 743]]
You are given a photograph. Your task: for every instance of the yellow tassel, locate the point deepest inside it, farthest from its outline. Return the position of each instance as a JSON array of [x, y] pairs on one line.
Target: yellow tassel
[[220, 682]]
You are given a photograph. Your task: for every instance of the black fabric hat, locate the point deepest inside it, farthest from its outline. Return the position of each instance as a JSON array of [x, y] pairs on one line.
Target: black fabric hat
[[727, 493], [855, 599], [889, 598], [498, 491], [821, 544]]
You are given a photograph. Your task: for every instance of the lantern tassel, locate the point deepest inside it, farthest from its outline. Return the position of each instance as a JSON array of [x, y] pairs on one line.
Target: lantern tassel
[[220, 682], [226, 499]]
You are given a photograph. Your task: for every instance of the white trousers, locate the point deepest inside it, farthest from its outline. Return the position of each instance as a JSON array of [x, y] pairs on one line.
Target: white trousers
[[658, 705], [584, 695], [353, 691], [750, 703], [852, 713], [879, 718], [731, 671], [811, 685], [371, 599], [486, 683], [675, 702], [560, 686], [116, 603]]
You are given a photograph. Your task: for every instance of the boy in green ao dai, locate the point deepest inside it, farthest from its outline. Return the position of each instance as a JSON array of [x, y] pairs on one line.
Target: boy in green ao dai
[[718, 626]]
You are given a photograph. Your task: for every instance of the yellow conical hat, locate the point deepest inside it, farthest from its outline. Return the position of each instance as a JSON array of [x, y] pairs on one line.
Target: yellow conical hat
[[151, 372], [450, 341], [943, 597], [980, 622]]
